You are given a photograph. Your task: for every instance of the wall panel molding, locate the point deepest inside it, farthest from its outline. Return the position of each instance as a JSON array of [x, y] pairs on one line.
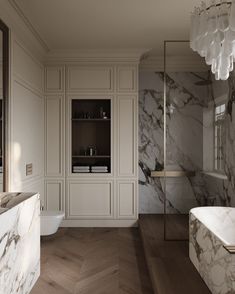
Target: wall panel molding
[[126, 135], [27, 68], [127, 78], [24, 84], [90, 78], [126, 199], [54, 79], [90, 199], [54, 194], [54, 135], [26, 119]]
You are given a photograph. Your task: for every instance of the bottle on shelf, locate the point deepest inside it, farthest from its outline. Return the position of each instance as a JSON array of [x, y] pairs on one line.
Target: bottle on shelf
[[91, 151]]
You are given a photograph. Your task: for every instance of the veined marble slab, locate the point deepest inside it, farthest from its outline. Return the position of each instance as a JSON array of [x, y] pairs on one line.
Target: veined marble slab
[[19, 242], [186, 104], [210, 229]]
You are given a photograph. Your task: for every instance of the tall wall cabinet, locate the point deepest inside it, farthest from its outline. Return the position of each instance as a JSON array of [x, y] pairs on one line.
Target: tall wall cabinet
[[91, 112]]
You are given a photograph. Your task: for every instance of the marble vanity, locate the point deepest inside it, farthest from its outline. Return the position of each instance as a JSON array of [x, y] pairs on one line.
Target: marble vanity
[[19, 242]]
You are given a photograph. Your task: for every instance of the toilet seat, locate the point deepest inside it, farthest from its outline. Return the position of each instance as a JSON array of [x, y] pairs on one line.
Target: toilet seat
[[51, 213], [50, 221]]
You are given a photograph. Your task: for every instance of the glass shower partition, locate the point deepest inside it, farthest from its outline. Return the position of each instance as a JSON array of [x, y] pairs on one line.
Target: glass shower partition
[[186, 80]]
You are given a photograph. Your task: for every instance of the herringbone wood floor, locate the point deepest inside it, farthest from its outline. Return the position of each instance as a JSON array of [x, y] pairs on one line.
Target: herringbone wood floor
[[170, 268], [93, 261]]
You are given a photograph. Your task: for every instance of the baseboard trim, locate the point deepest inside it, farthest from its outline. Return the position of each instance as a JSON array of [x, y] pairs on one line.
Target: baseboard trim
[[100, 223]]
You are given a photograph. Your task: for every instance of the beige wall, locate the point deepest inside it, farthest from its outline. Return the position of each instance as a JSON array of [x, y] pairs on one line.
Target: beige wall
[[92, 199], [26, 103], [26, 120]]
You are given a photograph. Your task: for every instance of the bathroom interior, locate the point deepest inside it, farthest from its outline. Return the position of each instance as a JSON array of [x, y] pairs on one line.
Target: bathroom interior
[[117, 147]]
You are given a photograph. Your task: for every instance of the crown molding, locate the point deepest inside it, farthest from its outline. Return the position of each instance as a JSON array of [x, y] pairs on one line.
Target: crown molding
[[92, 55], [174, 63], [29, 25], [19, 30]]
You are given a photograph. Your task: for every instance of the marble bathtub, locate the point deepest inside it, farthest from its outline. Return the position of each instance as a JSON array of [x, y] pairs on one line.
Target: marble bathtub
[[19, 242], [211, 242]]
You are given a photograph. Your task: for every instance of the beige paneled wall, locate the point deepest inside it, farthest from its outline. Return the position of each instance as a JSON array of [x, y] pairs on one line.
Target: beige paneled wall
[[40, 124], [40, 134], [90, 78], [26, 103], [92, 199], [26, 120], [126, 135], [55, 137]]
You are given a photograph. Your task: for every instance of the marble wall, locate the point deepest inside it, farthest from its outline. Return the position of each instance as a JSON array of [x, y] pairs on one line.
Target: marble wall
[[188, 96]]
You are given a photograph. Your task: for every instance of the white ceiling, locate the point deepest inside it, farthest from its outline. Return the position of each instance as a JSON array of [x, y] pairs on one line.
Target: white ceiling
[[108, 24]]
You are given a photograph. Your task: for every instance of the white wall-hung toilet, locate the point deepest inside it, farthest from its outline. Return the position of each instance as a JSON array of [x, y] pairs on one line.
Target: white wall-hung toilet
[[50, 221]]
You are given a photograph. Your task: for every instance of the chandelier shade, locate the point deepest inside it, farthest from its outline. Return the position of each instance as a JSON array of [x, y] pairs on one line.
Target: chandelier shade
[[212, 35]]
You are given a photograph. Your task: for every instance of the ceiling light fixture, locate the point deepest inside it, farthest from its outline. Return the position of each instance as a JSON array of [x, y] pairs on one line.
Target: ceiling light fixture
[[212, 35]]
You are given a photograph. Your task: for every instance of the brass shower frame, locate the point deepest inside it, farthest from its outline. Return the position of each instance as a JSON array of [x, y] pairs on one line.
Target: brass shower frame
[[164, 137]]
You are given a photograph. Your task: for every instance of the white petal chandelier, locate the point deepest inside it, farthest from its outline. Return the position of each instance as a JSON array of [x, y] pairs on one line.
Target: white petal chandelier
[[213, 35]]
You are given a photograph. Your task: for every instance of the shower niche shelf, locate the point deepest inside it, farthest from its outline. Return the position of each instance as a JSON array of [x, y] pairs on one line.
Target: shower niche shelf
[[91, 135], [172, 174]]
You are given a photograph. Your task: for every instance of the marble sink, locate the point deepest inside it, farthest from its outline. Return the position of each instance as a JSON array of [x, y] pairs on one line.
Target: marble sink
[[19, 242]]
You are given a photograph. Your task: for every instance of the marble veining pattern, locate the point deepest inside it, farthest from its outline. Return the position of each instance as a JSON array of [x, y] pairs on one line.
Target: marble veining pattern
[[184, 140], [214, 263], [229, 143], [185, 103], [19, 243]]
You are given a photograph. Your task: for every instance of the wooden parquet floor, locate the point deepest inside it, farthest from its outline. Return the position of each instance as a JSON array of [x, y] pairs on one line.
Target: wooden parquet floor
[[93, 261], [170, 268]]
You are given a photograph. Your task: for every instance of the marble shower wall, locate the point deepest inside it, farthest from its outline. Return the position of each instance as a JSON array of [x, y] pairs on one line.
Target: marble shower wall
[[150, 141], [185, 103]]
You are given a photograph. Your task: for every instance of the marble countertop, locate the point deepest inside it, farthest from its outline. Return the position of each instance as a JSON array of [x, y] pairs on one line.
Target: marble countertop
[[9, 200]]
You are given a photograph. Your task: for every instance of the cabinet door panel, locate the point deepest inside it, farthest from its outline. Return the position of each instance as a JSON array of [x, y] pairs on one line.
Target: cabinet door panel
[[54, 136], [126, 199], [126, 136], [90, 199]]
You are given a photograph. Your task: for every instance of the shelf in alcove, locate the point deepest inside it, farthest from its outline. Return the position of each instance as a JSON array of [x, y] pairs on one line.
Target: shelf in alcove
[[90, 119], [87, 156]]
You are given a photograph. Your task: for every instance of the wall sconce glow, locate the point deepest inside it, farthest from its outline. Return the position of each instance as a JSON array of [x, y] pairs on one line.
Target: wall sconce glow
[[212, 35]]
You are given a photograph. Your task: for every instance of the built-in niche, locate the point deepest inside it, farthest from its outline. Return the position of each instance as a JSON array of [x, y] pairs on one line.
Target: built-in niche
[[91, 135]]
